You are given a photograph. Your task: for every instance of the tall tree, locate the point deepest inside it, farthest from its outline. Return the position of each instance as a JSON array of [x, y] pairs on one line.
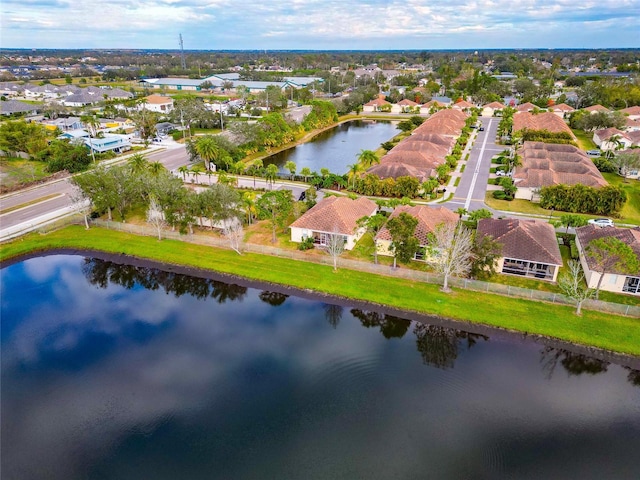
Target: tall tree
[[335, 247], [292, 167], [271, 173], [404, 243], [611, 255], [573, 285], [275, 206], [451, 250], [368, 158], [626, 161]]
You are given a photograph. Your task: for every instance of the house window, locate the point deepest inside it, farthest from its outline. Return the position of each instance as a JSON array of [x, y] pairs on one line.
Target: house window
[[631, 285]]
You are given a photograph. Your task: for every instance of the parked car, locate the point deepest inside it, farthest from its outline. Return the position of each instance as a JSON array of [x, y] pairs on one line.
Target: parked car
[[302, 196], [501, 173], [157, 140], [594, 153], [481, 129], [601, 222]]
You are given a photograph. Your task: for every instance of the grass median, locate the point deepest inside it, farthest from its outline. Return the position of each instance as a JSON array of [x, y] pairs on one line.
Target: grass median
[[602, 330]]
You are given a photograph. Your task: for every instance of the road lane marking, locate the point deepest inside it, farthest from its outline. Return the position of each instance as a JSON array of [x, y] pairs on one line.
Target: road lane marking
[[477, 169]]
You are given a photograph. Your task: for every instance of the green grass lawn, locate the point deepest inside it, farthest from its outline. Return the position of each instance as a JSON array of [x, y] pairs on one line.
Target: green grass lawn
[[585, 139], [616, 333], [631, 211], [18, 170]]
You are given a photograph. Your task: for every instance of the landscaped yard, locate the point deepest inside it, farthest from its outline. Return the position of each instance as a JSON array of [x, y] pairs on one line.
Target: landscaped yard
[[585, 139], [14, 171], [631, 211]]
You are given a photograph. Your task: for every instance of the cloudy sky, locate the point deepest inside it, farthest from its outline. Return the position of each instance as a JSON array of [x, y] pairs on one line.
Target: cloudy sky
[[321, 24]]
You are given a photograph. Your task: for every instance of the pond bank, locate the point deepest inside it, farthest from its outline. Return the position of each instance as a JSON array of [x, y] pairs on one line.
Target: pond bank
[[602, 331]]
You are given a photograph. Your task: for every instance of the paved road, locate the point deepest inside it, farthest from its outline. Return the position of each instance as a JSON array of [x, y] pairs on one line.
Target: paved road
[[471, 190]]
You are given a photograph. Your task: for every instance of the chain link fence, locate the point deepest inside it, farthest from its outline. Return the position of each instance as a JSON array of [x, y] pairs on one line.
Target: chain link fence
[[406, 273]]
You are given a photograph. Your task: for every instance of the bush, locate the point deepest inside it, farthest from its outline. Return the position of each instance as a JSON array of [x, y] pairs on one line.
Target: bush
[[306, 244], [604, 165], [499, 195], [574, 250]]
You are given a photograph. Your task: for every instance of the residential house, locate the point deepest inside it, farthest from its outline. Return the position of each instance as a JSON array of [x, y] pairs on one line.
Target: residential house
[[377, 105], [431, 106], [562, 110], [542, 121], [11, 107], [527, 107], [428, 219], [631, 172], [492, 109], [547, 164], [333, 215], [74, 135], [110, 142], [405, 106], [632, 112], [529, 248], [615, 281], [596, 108], [157, 103], [64, 124], [463, 105], [612, 139]]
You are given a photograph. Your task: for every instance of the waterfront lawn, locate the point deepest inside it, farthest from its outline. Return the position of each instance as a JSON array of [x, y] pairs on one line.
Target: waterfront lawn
[[611, 332]]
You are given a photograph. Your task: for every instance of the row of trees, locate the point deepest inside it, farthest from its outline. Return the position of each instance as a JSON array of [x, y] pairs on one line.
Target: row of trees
[[579, 198]]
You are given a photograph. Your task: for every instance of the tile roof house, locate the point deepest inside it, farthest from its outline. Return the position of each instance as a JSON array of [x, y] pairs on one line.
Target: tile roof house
[[428, 219], [81, 99], [612, 139], [546, 164], [405, 106], [529, 247], [10, 107], [616, 281], [491, 109], [527, 107], [463, 105], [562, 109], [542, 121], [376, 104], [333, 215], [157, 103], [430, 106], [632, 112], [596, 108]]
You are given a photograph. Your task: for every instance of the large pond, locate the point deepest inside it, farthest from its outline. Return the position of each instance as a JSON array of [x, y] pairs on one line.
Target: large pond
[[336, 148], [122, 372]]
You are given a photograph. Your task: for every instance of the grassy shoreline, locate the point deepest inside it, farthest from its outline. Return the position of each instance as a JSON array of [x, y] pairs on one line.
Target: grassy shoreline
[[605, 331]]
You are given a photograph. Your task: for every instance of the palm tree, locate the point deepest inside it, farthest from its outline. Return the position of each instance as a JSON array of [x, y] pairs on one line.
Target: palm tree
[[461, 212], [271, 173], [155, 168], [354, 169], [292, 167], [208, 149], [249, 204], [196, 171], [306, 173], [138, 163], [257, 167], [368, 158], [183, 170], [91, 122]]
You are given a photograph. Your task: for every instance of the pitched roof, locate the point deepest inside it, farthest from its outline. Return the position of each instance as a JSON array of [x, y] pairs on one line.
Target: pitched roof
[[525, 107], [630, 236], [607, 133], [428, 219], [84, 98], [336, 215], [494, 105], [545, 164], [596, 108], [542, 121], [433, 103], [377, 102], [14, 106], [406, 102], [158, 99], [563, 107], [444, 122], [463, 104], [635, 110], [400, 169], [530, 240]]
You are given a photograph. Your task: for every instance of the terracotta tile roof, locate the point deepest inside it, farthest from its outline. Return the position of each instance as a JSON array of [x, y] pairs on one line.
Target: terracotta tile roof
[[463, 104], [526, 107], [630, 236], [425, 146], [433, 103], [542, 121], [563, 107], [494, 105], [635, 110], [400, 169], [634, 137], [631, 124], [546, 164], [530, 240], [336, 215], [158, 99], [407, 103], [428, 219], [444, 122], [597, 108], [607, 133], [377, 102]]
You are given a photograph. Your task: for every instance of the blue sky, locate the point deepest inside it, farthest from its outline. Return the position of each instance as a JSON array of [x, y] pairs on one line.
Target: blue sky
[[320, 24]]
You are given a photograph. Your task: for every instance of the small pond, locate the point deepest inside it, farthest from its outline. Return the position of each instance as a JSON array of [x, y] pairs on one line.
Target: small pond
[[336, 148], [114, 371]]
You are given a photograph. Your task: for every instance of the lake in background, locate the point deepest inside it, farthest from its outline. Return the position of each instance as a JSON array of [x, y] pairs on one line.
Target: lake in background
[[337, 147], [120, 372]]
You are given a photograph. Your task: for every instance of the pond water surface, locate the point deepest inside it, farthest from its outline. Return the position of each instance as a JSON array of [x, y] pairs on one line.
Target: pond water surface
[[336, 148], [119, 372]]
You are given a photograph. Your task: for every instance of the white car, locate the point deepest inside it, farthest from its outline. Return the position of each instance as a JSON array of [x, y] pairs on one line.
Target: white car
[[601, 222]]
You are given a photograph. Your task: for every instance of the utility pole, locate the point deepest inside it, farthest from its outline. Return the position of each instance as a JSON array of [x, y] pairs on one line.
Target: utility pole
[[182, 60]]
